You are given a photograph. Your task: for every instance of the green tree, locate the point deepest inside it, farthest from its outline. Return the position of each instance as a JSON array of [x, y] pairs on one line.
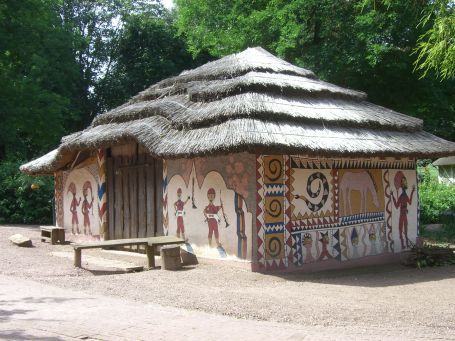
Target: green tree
[[37, 76], [145, 51], [436, 47], [362, 44]]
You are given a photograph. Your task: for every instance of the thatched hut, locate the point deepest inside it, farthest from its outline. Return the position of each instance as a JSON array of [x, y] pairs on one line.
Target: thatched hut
[[249, 157], [446, 169]]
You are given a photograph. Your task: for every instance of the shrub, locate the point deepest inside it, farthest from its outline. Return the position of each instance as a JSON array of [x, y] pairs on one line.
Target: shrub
[[19, 203], [436, 199]]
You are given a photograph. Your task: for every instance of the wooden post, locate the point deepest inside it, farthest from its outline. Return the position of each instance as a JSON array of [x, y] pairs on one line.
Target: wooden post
[[150, 251], [61, 236], [54, 235], [170, 257], [77, 258]]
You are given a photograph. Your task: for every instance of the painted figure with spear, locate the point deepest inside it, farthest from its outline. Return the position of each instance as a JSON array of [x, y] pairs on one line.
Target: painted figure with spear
[[179, 213], [211, 216], [401, 202]]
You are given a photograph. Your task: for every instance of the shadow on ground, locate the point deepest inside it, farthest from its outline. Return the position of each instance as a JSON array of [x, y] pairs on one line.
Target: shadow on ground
[[18, 334], [373, 276]]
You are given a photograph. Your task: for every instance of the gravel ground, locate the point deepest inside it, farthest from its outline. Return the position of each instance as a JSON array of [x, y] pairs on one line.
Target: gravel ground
[[388, 297]]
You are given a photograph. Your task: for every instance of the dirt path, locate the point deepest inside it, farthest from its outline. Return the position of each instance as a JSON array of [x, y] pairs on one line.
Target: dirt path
[[35, 311], [391, 300]]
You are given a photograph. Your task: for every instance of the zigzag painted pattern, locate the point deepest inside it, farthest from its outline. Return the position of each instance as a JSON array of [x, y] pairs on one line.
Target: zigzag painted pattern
[[260, 212], [297, 258], [274, 190], [273, 228], [287, 216], [102, 197], [165, 208], [330, 222]]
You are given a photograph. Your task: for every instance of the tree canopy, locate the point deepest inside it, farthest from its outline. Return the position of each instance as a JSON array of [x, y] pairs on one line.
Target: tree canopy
[[62, 62], [364, 44]]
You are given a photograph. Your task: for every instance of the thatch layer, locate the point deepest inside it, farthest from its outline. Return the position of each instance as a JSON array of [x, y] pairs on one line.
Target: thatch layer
[[445, 161], [254, 102], [183, 113], [209, 90], [252, 135], [253, 59]]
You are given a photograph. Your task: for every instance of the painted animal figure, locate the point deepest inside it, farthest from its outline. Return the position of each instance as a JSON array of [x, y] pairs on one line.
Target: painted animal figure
[[323, 184], [358, 181]]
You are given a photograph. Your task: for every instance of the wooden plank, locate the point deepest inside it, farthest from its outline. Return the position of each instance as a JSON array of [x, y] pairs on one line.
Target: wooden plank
[[157, 241], [159, 197], [112, 243], [141, 198], [110, 196], [150, 251], [150, 196], [165, 240], [126, 200], [132, 175], [77, 258], [118, 200]]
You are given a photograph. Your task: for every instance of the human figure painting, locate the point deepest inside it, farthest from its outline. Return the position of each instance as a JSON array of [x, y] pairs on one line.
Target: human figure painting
[[73, 208], [212, 218], [86, 206], [179, 206], [402, 203]]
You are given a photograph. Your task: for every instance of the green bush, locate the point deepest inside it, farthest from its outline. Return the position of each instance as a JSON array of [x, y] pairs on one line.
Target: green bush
[[19, 203], [435, 199]]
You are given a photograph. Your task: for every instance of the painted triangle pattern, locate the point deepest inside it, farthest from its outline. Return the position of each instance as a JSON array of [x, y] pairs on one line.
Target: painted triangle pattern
[[297, 255], [260, 212], [298, 161], [165, 201]]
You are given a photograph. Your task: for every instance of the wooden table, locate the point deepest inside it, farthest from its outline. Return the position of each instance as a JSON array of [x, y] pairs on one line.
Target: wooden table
[[52, 234], [150, 245]]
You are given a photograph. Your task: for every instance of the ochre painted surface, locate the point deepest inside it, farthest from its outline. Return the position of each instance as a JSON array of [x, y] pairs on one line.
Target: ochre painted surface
[[209, 202], [332, 210], [81, 202]]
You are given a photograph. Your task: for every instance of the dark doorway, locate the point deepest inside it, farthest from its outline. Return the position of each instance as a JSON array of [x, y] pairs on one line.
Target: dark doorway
[[134, 188]]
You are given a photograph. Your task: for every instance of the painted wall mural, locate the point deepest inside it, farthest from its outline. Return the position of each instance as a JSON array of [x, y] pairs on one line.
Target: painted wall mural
[[274, 242], [210, 203], [58, 197], [83, 201], [314, 210]]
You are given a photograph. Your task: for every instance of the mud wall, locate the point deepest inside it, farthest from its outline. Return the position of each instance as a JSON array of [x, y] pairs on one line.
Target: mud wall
[[211, 203], [80, 199], [331, 211]]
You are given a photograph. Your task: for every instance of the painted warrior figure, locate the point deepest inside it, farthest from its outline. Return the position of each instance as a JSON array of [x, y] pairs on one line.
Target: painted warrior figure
[[179, 213], [308, 244], [372, 238], [239, 204], [325, 242], [402, 203], [355, 243], [86, 206], [211, 217], [73, 208]]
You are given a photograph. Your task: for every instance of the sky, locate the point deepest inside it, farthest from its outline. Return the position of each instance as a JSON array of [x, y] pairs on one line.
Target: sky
[[168, 3]]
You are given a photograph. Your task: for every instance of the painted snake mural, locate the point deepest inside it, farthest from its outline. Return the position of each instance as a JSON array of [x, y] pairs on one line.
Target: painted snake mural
[[323, 185]]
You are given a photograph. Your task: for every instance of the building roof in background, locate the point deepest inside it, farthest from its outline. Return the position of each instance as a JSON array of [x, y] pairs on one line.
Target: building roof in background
[[445, 161]]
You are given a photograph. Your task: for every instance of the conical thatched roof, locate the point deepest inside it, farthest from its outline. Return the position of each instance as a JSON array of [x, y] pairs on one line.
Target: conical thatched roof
[[255, 102]]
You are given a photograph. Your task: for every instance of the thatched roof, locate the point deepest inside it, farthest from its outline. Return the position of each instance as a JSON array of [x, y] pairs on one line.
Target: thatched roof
[[445, 161], [254, 102]]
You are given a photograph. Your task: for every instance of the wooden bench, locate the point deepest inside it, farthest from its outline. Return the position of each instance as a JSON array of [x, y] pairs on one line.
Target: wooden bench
[[52, 234], [150, 245]]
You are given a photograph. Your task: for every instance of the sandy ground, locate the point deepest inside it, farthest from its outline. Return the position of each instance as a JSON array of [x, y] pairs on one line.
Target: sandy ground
[[414, 302]]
